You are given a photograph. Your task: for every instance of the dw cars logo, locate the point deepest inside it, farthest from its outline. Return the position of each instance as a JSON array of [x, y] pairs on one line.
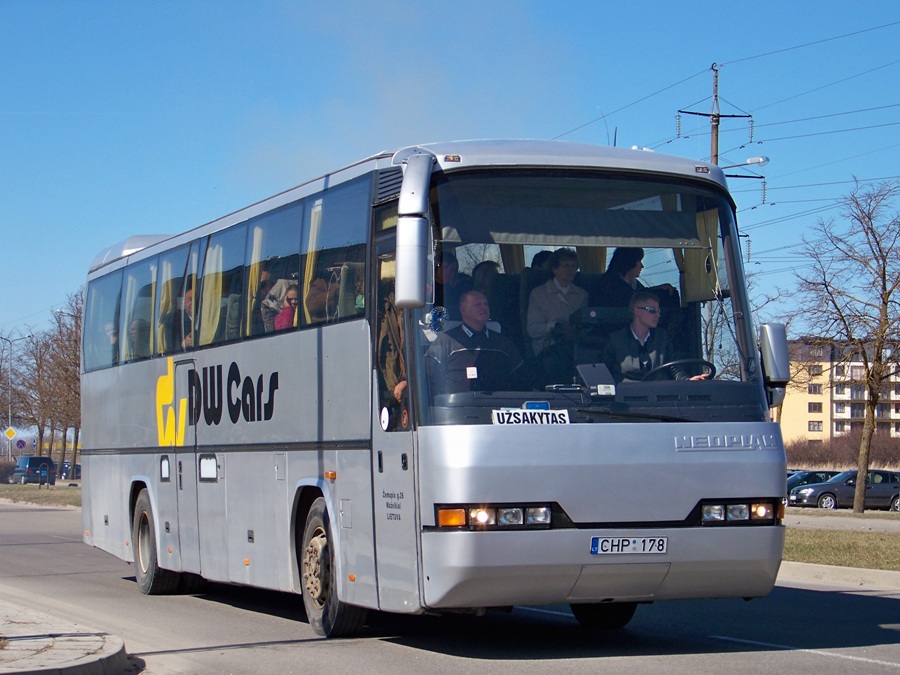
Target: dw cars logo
[[208, 397]]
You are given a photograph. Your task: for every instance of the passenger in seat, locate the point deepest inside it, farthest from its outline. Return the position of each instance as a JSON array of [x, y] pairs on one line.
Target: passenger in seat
[[620, 280], [450, 284], [288, 317], [550, 307], [483, 276]]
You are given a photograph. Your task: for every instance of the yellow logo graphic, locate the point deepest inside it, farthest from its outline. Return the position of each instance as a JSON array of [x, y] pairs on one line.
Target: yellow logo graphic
[[169, 425]]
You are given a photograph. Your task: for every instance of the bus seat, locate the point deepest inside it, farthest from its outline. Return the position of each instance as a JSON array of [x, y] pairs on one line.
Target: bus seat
[[504, 301]]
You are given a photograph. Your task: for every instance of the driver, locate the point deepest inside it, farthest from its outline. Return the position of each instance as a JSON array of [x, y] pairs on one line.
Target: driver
[[632, 352]]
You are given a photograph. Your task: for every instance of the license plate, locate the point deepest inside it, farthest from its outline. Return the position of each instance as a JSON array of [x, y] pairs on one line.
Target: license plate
[[631, 545]]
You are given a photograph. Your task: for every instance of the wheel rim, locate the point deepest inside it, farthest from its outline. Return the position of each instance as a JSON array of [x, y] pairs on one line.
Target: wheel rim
[[315, 568], [143, 542], [828, 502]]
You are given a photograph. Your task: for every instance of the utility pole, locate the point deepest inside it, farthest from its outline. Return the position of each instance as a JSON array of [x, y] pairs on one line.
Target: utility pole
[[715, 116]]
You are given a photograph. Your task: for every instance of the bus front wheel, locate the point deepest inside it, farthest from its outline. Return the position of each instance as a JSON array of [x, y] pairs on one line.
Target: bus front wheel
[[327, 615], [151, 578], [604, 615]]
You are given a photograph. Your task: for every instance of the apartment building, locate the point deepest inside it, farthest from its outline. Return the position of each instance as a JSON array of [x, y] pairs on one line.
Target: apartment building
[[827, 396]]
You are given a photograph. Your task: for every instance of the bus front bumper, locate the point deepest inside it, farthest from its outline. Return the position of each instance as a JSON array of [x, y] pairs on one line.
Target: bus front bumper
[[463, 569]]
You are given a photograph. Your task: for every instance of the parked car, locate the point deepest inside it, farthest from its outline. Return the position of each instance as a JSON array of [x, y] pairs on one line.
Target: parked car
[[799, 478], [65, 472], [34, 469], [882, 491]]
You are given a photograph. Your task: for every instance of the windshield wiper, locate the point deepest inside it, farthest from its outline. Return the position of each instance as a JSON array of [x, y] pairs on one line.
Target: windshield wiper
[[630, 414]]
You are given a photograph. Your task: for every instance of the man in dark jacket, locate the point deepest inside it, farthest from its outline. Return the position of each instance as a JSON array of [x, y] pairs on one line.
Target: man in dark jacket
[[471, 357], [632, 352]]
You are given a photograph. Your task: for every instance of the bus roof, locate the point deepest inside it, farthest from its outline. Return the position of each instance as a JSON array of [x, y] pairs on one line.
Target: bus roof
[[459, 155], [502, 152]]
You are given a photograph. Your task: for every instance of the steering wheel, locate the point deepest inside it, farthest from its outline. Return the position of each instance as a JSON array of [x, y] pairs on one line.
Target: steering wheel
[[682, 362]]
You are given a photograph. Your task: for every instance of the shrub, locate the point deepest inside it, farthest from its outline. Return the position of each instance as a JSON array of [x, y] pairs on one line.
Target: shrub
[[6, 470], [842, 452]]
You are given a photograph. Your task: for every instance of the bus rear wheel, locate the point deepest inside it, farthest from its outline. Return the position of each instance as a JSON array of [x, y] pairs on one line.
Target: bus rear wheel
[[327, 615], [604, 615], [151, 578]]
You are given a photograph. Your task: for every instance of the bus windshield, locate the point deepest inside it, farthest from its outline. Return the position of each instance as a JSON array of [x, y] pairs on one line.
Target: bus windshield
[[611, 298]]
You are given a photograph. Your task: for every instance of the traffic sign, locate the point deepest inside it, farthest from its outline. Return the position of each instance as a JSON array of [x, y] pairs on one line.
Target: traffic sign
[[20, 444], [10, 433]]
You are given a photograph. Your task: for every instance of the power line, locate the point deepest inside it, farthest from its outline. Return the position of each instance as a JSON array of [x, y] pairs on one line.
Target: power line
[[625, 107], [830, 84], [746, 58], [821, 117], [828, 183], [810, 44], [825, 133]]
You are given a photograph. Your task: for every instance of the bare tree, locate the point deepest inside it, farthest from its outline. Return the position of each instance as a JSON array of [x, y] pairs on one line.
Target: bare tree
[[65, 355], [38, 394], [850, 295]]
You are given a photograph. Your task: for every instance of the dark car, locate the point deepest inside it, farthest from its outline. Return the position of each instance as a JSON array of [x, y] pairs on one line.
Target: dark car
[[799, 478], [65, 472], [34, 469], [882, 491]]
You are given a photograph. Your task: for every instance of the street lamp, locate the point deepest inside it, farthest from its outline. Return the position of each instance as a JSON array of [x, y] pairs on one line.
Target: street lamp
[[760, 161], [9, 389]]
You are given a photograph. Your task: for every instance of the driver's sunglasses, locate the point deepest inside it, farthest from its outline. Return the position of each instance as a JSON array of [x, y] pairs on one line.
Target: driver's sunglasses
[[652, 310]]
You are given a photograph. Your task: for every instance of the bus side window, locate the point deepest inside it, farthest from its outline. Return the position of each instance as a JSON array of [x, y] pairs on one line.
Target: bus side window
[[272, 265], [101, 322], [221, 299], [169, 308], [139, 290], [333, 276]]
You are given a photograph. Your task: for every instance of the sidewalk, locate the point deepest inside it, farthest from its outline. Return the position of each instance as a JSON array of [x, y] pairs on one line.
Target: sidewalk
[[32, 642]]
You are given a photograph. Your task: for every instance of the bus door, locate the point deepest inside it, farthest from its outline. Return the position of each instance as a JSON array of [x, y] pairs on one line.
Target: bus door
[[185, 475], [393, 453]]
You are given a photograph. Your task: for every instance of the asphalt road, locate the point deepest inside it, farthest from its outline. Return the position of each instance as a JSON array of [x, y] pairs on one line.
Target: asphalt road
[[801, 627]]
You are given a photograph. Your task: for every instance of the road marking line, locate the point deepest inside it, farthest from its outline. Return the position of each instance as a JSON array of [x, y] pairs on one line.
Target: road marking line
[[551, 612], [819, 652]]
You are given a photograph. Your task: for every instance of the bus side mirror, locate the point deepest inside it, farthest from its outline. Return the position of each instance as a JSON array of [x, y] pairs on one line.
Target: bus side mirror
[[773, 349], [412, 254], [412, 231]]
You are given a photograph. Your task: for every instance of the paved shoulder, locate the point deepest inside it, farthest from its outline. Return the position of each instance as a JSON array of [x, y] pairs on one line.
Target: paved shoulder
[[855, 577], [833, 521], [33, 642]]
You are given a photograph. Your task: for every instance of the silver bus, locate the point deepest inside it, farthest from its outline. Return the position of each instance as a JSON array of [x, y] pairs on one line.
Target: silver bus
[[352, 391]]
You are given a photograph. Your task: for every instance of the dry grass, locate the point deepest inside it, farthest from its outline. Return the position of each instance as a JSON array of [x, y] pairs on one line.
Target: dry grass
[[870, 550], [58, 495]]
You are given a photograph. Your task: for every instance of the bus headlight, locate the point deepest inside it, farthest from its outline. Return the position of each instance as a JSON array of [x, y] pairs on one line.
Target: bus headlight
[[480, 517], [757, 512], [537, 515], [711, 513], [509, 517], [738, 512], [490, 517]]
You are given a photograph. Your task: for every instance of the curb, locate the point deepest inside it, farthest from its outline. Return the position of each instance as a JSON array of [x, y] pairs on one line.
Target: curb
[[832, 574], [36, 643]]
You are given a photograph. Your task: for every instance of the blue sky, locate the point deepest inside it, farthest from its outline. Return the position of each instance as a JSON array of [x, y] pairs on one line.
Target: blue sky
[[121, 118]]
